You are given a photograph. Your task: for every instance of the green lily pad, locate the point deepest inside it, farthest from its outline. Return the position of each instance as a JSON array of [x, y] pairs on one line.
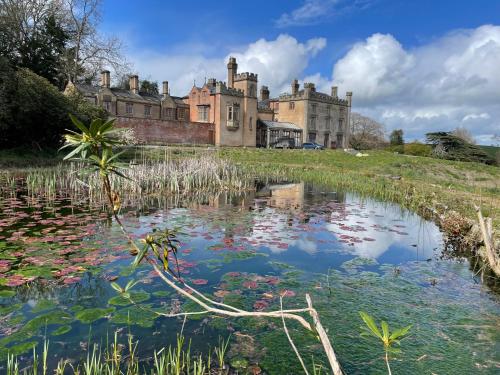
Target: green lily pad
[[91, 315], [61, 330], [7, 293], [135, 297]]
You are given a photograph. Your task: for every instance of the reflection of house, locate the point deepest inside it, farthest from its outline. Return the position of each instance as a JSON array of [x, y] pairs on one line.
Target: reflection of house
[[283, 195]]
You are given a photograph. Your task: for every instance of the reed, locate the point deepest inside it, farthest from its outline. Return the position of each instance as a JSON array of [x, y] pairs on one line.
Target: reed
[[114, 359]]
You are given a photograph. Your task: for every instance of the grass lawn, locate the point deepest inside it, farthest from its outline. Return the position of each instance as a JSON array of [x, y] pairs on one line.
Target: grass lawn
[[423, 184]]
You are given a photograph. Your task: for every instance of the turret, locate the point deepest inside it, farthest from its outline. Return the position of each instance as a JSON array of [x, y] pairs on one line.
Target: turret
[[264, 93], [232, 70], [348, 95], [335, 91]]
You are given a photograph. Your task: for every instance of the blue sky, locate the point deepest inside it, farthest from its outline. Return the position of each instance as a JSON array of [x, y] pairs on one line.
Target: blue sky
[[417, 65]]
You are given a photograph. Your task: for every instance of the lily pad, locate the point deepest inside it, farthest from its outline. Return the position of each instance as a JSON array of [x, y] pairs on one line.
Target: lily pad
[[43, 305], [135, 297], [61, 330], [91, 315], [7, 293]]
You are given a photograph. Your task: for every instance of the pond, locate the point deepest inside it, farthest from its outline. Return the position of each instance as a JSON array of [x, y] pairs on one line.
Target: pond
[[58, 258]]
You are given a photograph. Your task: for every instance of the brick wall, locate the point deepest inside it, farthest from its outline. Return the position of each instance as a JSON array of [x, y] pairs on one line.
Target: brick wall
[[149, 131]]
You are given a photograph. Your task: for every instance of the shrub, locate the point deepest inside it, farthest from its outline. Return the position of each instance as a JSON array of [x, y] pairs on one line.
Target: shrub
[[34, 112], [417, 149]]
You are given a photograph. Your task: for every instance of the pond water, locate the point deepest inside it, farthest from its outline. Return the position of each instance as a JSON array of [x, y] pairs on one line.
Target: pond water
[[58, 258]]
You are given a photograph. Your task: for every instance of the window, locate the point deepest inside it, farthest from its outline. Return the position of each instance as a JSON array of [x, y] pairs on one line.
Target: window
[[129, 108], [250, 123], [181, 114], [314, 108], [341, 123], [312, 122], [147, 110], [107, 105], [204, 94], [311, 137], [203, 113], [291, 105], [233, 112], [169, 113]]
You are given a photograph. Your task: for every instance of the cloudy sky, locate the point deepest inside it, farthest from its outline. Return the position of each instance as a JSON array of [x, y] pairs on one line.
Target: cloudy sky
[[417, 65]]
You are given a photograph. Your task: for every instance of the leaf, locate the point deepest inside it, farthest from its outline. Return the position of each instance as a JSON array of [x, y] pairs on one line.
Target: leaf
[[140, 256], [116, 287], [370, 323], [94, 126], [78, 124], [130, 285], [385, 330], [75, 151], [400, 332]]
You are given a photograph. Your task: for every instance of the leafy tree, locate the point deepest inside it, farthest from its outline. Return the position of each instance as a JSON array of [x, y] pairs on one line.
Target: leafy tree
[[149, 87], [396, 137], [37, 113], [448, 146]]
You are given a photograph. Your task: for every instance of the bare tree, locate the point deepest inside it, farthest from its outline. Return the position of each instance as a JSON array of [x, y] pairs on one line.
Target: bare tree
[[464, 134], [89, 52], [366, 133]]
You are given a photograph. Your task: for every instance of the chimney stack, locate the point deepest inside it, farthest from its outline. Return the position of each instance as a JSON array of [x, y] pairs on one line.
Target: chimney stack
[[134, 84], [105, 79], [264, 93], [295, 87], [335, 91], [211, 82], [232, 70], [348, 95], [165, 89]]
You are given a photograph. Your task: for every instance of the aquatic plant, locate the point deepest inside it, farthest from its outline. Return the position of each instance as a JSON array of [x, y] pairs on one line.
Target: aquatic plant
[[387, 338], [93, 149]]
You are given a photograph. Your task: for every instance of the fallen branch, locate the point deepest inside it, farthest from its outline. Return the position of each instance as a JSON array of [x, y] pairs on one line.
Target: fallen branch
[[487, 234]]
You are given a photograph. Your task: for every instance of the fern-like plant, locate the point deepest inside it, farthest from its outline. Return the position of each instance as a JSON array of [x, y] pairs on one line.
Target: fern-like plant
[[387, 338]]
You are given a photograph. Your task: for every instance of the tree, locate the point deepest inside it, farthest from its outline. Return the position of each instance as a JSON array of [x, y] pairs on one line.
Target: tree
[[396, 137], [448, 146], [366, 133], [89, 52], [149, 87], [32, 36], [464, 134], [36, 111]]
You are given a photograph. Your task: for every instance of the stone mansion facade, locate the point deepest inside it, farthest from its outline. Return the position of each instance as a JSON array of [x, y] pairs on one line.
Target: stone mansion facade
[[228, 114]]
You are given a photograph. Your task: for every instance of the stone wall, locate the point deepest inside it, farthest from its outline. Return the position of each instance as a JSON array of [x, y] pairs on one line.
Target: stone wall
[[149, 131]]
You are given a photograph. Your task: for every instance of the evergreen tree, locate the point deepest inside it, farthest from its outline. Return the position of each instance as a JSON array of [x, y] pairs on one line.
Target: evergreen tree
[[396, 137]]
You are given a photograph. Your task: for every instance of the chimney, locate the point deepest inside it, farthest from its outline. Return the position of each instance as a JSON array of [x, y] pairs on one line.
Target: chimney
[[165, 89], [134, 84], [309, 87], [348, 95], [105, 79], [264, 93], [232, 70], [295, 87], [335, 91]]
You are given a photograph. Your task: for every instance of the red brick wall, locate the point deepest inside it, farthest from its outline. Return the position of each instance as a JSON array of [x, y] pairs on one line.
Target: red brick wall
[[148, 131]]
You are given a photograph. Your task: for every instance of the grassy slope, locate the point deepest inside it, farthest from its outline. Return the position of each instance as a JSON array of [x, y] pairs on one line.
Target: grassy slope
[[426, 185]]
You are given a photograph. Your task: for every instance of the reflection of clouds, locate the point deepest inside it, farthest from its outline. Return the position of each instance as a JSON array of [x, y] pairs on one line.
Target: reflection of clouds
[[377, 219], [271, 230]]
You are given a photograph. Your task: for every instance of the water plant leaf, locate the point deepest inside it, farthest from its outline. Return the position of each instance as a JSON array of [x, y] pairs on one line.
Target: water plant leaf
[[370, 323], [400, 332], [61, 330], [91, 315]]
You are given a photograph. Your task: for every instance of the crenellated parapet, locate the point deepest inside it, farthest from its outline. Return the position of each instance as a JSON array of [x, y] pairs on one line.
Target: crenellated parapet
[[221, 88], [246, 76]]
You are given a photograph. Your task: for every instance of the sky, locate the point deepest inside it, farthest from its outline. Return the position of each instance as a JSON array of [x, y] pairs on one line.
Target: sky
[[416, 65]]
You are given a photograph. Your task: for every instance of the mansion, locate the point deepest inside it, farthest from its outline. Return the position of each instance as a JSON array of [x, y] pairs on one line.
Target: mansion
[[232, 113]]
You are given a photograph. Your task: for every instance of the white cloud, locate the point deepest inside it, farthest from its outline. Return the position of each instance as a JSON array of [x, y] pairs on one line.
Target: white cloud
[[452, 81], [317, 11], [276, 62]]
